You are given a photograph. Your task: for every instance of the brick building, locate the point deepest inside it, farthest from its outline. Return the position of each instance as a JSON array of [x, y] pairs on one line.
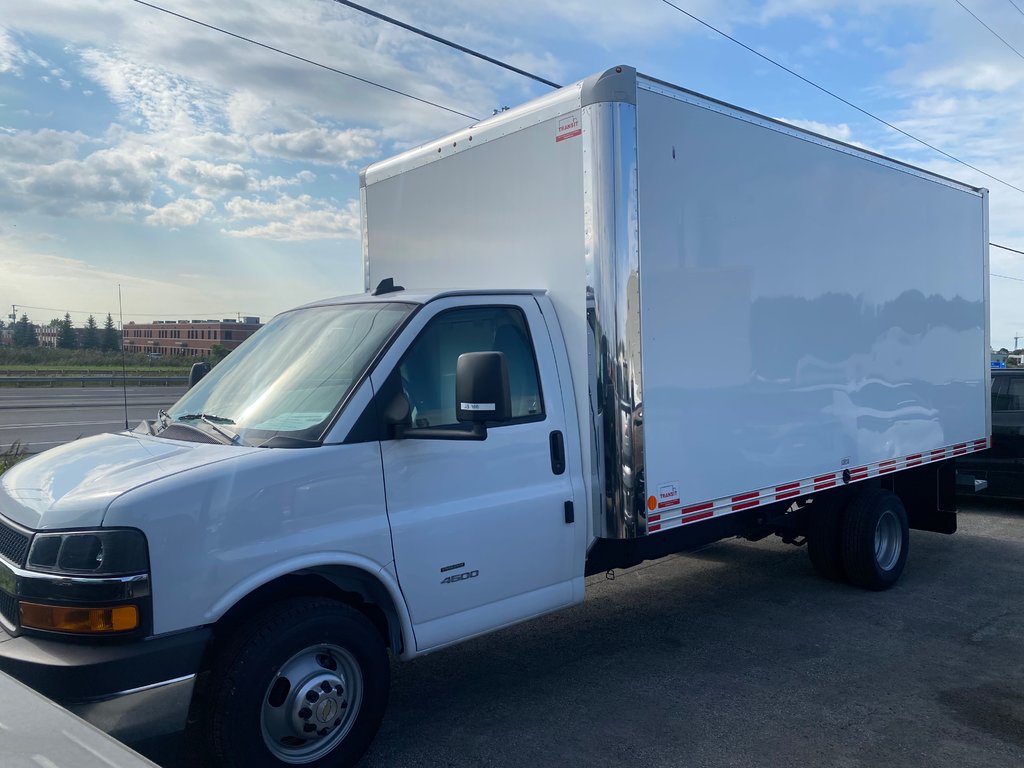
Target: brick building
[[47, 335], [187, 338]]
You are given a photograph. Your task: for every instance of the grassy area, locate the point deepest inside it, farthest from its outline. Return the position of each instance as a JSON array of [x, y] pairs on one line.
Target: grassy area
[[16, 359], [11, 456]]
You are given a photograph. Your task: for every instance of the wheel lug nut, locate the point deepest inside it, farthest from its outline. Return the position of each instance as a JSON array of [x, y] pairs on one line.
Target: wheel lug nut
[[322, 732], [337, 722], [325, 687], [309, 728], [305, 713], [312, 696]]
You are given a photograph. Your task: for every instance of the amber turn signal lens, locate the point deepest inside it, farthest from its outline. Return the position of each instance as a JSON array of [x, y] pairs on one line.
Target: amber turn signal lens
[[59, 618]]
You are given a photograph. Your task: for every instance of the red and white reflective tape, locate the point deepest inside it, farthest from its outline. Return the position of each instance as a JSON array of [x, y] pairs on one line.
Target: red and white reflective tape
[[664, 519]]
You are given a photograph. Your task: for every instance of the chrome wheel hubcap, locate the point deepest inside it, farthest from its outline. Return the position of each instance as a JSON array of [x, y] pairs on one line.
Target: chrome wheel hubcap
[[310, 706], [888, 540]]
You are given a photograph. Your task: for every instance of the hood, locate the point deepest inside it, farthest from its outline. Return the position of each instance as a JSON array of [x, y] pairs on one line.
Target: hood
[[71, 486]]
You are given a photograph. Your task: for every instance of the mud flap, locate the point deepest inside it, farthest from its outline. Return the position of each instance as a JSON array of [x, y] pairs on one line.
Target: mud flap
[[929, 495]]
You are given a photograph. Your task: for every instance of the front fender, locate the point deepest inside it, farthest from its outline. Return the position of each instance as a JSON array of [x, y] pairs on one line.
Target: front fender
[[321, 563], [216, 533]]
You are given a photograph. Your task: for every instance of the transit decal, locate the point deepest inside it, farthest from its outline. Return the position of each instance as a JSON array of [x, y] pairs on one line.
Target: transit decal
[[668, 495], [569, 127]]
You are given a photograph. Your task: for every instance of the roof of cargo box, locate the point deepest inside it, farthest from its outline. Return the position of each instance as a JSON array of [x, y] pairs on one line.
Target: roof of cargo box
[[708, 102], [616, 84]]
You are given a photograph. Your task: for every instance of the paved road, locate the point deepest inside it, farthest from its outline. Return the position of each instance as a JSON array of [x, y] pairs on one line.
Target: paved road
[[738, 656], [42, 418]]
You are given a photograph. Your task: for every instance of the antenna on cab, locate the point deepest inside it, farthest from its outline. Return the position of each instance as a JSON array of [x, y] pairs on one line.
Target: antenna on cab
[[124, 366]]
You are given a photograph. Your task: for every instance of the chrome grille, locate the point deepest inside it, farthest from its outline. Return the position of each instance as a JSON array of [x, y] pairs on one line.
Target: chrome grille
[[13, 544]]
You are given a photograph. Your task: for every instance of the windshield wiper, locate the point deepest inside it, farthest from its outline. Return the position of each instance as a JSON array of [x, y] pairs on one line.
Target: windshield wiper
[[206, 417], [214, 422]]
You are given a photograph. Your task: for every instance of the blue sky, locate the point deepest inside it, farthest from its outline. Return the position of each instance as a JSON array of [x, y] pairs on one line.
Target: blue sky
[[208, 176]]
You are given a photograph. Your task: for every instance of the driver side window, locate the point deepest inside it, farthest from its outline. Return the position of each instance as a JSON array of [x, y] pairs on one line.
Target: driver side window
[[427, 371]]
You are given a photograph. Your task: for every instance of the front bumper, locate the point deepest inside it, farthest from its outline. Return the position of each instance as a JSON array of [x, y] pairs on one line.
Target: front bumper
[[132, 690]]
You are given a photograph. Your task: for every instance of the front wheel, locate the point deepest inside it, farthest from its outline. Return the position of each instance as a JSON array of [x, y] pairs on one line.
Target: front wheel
[[304, 683], [875, 540]]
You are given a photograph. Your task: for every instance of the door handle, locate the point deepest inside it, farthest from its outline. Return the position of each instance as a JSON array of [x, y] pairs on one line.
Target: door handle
[[557, 452]]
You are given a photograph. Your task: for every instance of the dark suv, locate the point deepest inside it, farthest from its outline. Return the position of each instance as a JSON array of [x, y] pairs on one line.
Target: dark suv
[[1002, 465]]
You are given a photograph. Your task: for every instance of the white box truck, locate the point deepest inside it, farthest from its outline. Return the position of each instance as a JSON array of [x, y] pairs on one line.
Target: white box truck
[[636, 320]]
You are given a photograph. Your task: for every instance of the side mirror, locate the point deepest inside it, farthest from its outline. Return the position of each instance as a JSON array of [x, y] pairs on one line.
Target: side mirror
[[198, 371], [481, 388]]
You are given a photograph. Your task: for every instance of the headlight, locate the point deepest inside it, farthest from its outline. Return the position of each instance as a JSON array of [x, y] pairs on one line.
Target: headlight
[[90, 553]]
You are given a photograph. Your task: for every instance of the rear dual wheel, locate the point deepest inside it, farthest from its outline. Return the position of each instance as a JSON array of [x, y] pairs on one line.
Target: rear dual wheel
[[875, 539], [864, 542]]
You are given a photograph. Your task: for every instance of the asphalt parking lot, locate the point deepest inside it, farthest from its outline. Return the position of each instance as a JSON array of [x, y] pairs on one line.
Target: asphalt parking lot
[[738, 656]]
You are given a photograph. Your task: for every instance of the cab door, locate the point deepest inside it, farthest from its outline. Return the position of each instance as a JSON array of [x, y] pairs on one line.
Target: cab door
[[484, 531]]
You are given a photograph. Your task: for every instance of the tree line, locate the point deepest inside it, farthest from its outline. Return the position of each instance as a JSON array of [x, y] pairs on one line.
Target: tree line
[[105, 339]]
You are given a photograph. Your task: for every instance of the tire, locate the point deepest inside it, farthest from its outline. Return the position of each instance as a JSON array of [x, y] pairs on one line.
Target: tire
[[824, 539], [305, 664], [875, 540]]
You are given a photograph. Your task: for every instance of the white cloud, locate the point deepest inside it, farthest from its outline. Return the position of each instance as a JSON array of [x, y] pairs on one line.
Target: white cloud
[[972, 76], [840, 131], [13, 57], [216, 144], [10, 53], [43, 146], [320, 145], [276, 182], [151, 96], [110, 182], [207, 179], [180, 213], [294, 219]]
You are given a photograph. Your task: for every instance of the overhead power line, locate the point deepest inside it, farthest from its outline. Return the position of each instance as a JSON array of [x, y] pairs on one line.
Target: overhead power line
[[1005, 248], [305, 60], [1016, 6], [986, 26], [840, 98], [443, 41]]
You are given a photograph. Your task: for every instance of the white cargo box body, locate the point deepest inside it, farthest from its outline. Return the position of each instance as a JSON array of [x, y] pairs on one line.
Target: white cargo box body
[[773, 312]]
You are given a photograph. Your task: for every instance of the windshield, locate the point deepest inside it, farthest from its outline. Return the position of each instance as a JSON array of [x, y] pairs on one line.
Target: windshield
[[290, 377]]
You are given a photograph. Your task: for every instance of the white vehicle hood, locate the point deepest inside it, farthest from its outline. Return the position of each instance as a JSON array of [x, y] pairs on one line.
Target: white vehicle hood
[[73, 485]]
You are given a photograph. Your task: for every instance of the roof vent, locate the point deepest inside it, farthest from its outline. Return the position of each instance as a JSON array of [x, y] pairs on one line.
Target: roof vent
[[387, 285]]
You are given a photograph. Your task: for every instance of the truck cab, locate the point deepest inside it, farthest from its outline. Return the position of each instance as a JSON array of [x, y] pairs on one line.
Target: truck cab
[[376, 451]]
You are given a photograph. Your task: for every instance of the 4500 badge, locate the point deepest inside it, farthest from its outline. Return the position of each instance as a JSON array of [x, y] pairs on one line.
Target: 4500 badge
[[456, 577]]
